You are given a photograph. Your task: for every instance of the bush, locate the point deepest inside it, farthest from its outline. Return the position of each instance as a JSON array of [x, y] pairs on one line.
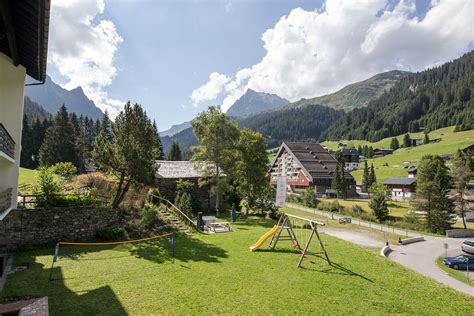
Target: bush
[[357, 210], [47, 187], [332, 207], [64, 169], [149, 216], [110, 234], [309, 198]]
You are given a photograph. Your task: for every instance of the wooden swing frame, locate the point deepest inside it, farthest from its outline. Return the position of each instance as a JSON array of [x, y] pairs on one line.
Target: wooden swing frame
[[284, 223]]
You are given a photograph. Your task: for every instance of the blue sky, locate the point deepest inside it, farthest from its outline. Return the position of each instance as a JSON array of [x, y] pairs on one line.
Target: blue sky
[[161, 54]]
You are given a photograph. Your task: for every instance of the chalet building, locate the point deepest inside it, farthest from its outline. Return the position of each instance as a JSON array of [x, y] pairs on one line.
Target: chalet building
[[351, 159], [306, 165], [24, 29], [415, 142], [401, 189], [469, 150], [170, 172], [382, 152]]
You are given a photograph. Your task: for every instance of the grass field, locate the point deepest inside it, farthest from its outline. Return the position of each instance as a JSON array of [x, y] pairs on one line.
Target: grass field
[[27, 176], [218, 274], [392, 165]]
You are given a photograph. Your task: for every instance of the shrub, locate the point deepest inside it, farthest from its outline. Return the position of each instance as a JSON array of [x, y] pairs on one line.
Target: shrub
[[332, 207], [357, 210], [64, 169], [184, 203], [110, 234], [149, 216], [47, 187], [309, 198]]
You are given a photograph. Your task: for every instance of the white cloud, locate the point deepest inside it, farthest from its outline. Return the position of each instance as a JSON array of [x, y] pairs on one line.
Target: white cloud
[[311, 53], [82, 47], [211, 89]]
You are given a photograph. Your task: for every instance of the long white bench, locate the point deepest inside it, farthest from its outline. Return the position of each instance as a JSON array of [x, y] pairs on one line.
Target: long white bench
[[411, 240], [384, 251]]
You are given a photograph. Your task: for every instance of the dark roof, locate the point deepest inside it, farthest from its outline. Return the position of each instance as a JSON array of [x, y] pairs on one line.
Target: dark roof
[[412, 169], [384, 149], [26, 40], [350, 152], [399, 181], [314, 159]]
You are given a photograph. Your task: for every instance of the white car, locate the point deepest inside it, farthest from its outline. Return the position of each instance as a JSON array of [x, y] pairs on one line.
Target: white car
[[468, 246]]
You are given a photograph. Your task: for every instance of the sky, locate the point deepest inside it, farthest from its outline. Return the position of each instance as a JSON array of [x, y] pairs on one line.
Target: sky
[[176, 58]]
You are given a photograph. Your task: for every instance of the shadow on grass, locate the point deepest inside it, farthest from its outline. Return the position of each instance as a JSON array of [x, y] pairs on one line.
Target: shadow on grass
[[61, 299]]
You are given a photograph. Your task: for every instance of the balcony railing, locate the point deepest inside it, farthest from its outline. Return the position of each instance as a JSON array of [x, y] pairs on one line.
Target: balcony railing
[[5, 200], [7, 144]]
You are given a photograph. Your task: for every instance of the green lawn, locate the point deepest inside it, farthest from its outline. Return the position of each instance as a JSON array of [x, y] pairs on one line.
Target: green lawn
[[218, 274], [396, 208], [27, 176], [391, 166]]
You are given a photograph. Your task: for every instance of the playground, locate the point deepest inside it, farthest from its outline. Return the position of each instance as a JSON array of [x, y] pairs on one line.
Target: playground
[[219, 274]]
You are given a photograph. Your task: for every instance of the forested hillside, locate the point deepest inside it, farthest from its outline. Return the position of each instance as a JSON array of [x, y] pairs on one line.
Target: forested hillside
[[292, 124], [34, 110], [431, 99]]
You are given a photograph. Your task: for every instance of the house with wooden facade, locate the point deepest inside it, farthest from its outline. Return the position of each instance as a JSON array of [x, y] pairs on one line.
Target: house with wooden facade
[[401, 189], [351, 159], [306, 165], [382, 152], [24, 27]]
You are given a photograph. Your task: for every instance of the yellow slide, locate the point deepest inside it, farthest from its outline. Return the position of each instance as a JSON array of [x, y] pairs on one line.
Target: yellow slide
[[262, 239]]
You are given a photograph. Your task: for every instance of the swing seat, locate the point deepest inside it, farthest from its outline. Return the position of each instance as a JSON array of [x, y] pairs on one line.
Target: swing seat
[[302, 251], [294, 245]]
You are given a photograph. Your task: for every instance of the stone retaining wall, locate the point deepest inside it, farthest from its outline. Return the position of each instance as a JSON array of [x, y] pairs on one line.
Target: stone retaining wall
[[460, 233], [40, 226]]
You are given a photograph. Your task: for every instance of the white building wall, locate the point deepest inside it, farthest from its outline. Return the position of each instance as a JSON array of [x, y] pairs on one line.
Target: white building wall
[[12, 82]]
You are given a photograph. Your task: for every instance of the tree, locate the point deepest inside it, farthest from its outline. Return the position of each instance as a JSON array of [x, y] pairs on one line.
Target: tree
[[131, 154], [394, 144], [216, 152], [183, 199], [378, 203], [461, 173], [250, 171], [373, 178], [366, 178], [339, 182], [174, 153], [59, 144], [406, 140], [433, 182], [26, 144], [426, 140], [160, 143], [309, 197], [106, 126]]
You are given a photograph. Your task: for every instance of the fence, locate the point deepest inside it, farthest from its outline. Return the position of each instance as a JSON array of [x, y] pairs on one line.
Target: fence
[[32, 200]]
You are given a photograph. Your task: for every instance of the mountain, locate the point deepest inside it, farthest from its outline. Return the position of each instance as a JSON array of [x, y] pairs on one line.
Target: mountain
[[33, 110], [175, 129], [51, 96], [427, 100], [253, 102], [358, 94], [185, 138]]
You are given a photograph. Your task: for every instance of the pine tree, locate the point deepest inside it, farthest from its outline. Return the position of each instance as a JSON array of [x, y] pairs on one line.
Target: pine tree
[[378, 203], [406, 141], [161, 155], [129, 161], [426, 140], [106, 125], [431, 189], [373, 178], [461, 173], [59, 144], [174, 153], [366, 177], [339, 182], [394, 144]]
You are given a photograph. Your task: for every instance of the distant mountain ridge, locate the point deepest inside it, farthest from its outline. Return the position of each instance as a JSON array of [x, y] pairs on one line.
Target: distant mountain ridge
[[175, 129], [33, 110], [51, 96], [357, 94], [253, 102]]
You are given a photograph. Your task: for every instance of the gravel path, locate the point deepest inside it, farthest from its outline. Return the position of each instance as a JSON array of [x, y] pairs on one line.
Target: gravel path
[[420, 257]]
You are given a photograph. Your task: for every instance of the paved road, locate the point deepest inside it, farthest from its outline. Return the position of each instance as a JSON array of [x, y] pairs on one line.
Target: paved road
[[420, 257]]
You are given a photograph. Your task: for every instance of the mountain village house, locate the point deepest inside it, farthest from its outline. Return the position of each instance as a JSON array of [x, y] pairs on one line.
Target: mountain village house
[[351, 159], [306, 165], [170, 172], [382, 152], [23, 48]]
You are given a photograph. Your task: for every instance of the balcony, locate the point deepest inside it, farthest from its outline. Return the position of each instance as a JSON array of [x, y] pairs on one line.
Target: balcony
[[7, 145], [5, 200]]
